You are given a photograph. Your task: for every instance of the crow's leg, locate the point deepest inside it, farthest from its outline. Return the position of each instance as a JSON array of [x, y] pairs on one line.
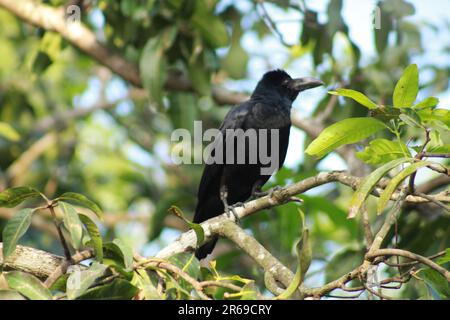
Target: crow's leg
[[229, 209], [257, 193]]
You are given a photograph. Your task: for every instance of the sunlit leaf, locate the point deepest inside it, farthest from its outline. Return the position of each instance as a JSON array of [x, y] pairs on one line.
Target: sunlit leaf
[[199, 232], [427, 103], [13, 196], [83, 200], [359, 97], [72, 223], [367, 185], [343, 132], [393, 184], [127, 253], [28, 285], [15, 229], [94, 233], [382, 151], [407, 87], [80, 281]]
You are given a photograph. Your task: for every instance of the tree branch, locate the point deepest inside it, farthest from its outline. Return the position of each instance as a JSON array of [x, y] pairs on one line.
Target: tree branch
[[412, 256], [33, 261]]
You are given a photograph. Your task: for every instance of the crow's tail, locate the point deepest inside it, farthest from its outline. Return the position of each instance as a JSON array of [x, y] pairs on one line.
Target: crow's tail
[[205, 248]]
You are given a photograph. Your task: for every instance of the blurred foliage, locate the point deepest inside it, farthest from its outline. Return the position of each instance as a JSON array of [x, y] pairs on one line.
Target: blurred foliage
[[118, 155]]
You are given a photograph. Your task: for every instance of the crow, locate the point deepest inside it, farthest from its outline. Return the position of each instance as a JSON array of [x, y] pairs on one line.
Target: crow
[[226, 184]]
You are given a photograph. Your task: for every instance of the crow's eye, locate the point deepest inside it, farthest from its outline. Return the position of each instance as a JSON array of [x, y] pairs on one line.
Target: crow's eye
[[285, 82]]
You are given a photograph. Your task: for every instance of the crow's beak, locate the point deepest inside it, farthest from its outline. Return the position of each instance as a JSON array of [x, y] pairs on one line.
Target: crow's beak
[[301, 84]]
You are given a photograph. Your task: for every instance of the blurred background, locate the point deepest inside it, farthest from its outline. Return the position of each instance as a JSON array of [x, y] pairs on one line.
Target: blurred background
[[67, 123]]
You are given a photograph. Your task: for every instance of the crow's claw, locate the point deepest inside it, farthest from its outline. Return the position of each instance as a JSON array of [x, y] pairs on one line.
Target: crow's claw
[[231, 210]]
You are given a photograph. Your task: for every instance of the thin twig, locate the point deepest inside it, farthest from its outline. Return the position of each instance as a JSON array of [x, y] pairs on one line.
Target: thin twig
[[60, 233], [409, 255]]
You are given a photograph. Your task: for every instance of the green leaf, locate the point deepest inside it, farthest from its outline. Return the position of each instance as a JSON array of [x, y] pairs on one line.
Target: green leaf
[[152, 64], [13, 196], [144, 283], [367, 185], [304, 257], [84, 201], [73, 223], [127, 253], [390, 188], [382, 151], [427, 103], [200, 77], [409, 121], [235, 62], [118, 289], [8, 132], [435, 117], [28, 285], [437, 281], [406, 89], [212, 28], [10, 295], [15, 229], [445, 258], [187, 262], [343, 132], [96, 239], [80, 281], [199, 232], [355, 95]]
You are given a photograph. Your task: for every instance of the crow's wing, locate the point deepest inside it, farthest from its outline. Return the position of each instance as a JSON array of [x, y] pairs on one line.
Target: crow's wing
[[212, 173]]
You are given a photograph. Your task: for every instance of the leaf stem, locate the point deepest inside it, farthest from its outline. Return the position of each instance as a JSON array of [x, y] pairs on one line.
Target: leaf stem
[[51, 206]]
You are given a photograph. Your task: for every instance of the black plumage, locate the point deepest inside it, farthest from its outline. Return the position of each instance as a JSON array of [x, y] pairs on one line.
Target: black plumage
[[269, 107]]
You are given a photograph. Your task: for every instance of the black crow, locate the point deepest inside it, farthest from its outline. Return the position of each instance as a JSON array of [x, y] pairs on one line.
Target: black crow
[[224, 184]]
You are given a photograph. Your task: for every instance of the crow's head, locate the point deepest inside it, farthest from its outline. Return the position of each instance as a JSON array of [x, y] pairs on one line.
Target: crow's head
[[280, 83]]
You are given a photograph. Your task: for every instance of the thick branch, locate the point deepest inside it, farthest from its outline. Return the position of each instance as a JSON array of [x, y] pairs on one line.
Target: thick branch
[[33, 261], [187, 241]]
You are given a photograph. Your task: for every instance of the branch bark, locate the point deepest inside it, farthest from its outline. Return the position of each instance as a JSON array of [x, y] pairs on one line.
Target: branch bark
[[33, 261]]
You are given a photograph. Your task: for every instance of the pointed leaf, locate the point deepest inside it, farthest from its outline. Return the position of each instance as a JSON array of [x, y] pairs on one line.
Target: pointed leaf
[[382, 151], [80, 281], [304, 257], [73, 223], [427, 103], [127, 253], [94, 232], [445, 258], [199, 232], [367, 185], [10, 295], [118, 289], [437, 281], [359, 97], [406, 89], [390, 188], [84, 201], [343, 132], [13, 196], [15, 229], [28, 285]]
